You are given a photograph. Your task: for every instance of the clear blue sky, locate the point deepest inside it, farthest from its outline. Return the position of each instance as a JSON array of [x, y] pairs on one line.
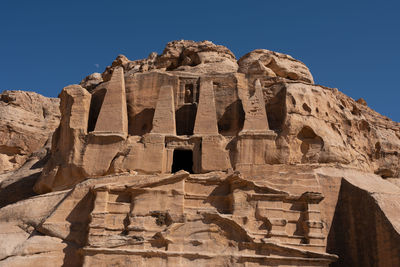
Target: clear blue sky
[[351, 45]]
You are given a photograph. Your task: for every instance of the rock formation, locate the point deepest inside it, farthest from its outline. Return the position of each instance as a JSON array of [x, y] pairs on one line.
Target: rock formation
[[192, 157], [27, 122]]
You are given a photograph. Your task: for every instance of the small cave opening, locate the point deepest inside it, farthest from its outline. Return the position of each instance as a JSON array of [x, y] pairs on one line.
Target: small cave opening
[[95, 105], [182, 160]]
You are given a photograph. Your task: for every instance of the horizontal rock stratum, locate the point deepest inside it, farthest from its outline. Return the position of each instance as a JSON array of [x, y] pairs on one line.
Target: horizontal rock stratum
[[195, 158]]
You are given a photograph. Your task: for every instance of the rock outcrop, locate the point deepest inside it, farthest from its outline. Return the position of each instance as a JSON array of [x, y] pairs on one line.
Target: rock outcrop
[[188, 56], [273, 64], [27, 120], [192, 157]]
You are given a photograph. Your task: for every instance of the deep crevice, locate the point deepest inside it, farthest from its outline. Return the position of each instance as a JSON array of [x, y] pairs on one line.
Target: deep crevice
[[95, 106]]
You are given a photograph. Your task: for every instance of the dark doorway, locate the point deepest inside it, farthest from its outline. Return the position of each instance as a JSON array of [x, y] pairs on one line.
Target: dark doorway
[[183, 160]]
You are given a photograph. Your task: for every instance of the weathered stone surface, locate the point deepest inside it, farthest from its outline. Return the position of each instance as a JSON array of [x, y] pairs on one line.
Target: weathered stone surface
[[18, 185], [112, 118], [273, 64], [206, 118], [194, 216], [197, 57], [190, 157], [254, 108], [27, 121], [322, 125], [91, 81], [11, 236], [65, 165], [38, 251], [164, 115], [369, 205], [183, 55], [26, 213]]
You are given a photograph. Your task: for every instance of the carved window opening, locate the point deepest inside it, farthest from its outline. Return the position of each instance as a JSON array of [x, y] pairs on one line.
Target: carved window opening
[[189, 97], [182, 160]]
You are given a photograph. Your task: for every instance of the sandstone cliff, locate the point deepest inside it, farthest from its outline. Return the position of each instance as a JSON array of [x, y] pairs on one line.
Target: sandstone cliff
[[195, 157], [27, 122]]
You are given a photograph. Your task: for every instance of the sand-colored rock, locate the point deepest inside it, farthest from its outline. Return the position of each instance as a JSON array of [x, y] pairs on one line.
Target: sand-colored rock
[[112, 118], [206, 115], [68, 141], [40, 251], [164, 115], [368, 208], [183, 55], [189, 218], [27, 121], [273, 64], [91, 81], [197, 57], [322, 125], [193, 158]]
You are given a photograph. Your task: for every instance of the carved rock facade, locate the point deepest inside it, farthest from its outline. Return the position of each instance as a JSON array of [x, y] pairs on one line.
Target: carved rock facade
[[216, 218], [191, 157]]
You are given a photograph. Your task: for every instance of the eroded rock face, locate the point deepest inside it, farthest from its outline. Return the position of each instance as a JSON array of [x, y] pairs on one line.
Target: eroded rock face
[[322, 125], [91, 81], [198, 57], [27, 120], [273, 64], [66, 153], [188, 56], [364, 204], [170, 159]]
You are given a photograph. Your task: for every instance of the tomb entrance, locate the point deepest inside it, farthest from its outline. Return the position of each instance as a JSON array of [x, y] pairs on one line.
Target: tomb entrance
[[182, 160]]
